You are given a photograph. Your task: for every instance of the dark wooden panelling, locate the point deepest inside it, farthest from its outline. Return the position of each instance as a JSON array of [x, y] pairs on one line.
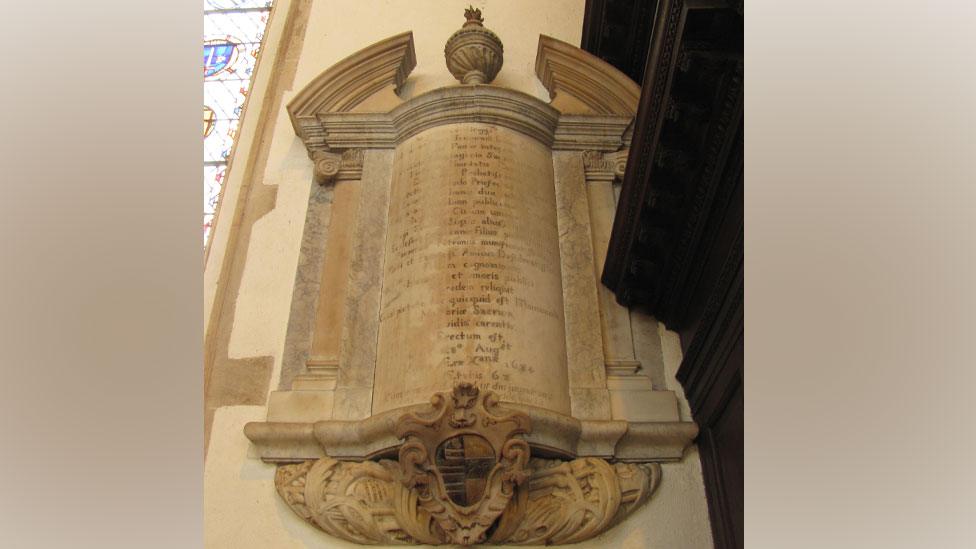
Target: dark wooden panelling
[[684, 159], [619, 31], [676, 246]]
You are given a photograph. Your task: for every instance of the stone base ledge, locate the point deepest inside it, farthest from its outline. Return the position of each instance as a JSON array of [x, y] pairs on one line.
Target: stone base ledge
[[553, 435]]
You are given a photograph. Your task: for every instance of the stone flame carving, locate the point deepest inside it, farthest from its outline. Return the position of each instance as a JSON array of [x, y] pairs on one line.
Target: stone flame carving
[[462, 471], [474, 53]]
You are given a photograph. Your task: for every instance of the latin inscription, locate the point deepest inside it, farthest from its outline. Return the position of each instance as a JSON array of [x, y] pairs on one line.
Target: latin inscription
[[472, 287]]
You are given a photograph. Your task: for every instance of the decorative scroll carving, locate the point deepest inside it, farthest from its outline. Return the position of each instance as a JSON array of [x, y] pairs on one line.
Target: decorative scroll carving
[[561, 501], [330, 166], [599, 165], [326, 165], [474, 53], [619, 161], [462, 471]]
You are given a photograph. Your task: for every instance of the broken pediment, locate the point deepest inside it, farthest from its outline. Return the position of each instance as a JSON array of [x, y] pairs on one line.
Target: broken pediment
[[357, 81], [581, 83]]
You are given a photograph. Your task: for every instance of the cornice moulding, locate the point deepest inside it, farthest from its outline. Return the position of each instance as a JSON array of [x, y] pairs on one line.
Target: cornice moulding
[[566, 69], [460, 104], [343, 86], [323, 113], [553, 435], [452, 105]]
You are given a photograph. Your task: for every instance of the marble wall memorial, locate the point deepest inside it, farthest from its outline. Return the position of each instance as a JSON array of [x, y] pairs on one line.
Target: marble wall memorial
[[453, 371]]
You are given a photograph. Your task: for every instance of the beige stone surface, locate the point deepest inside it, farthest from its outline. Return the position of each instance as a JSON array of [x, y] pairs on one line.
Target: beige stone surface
[[330, 310], [614, 318], [307, 287], [587, 377], [581, 83], [360, 329], [303, 406], [471, 289], [288, 437]]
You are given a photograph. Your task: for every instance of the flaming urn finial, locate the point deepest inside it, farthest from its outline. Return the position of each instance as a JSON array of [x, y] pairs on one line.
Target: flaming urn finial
[[473, 53]]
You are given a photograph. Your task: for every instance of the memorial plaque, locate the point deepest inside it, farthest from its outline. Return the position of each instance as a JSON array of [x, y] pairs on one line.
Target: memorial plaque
[[472, 289]]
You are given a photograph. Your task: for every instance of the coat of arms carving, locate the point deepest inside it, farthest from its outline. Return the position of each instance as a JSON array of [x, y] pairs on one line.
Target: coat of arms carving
[[465, 476], [464, 460]]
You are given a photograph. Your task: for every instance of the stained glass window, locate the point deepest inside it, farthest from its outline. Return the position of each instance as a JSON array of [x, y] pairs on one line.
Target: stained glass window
[[233, 30]]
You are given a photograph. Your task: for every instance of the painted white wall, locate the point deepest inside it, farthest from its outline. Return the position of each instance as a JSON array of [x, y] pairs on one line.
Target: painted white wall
[[242, 509]]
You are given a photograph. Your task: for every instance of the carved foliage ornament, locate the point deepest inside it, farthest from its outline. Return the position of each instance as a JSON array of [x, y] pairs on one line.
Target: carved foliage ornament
[[614, 163], [463, 478]]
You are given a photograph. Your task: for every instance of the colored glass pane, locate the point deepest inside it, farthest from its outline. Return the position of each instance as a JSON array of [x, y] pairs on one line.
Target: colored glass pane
[[218, 55], [213, 178], [233, 30], [209, 5], [208, 120]]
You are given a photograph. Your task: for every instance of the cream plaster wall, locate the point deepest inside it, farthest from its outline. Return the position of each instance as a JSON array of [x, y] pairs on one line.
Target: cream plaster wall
[[242, 509]]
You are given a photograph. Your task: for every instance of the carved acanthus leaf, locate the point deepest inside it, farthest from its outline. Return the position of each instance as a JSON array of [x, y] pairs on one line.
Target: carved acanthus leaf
[[561, 501], [572, 501], [612, 164]]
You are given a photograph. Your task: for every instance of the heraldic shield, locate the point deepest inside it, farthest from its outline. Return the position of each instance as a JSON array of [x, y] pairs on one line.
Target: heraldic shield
[[217, 56], [463, 460]]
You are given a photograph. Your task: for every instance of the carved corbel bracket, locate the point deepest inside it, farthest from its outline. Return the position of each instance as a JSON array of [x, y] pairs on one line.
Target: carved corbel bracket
[[465, 476]]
